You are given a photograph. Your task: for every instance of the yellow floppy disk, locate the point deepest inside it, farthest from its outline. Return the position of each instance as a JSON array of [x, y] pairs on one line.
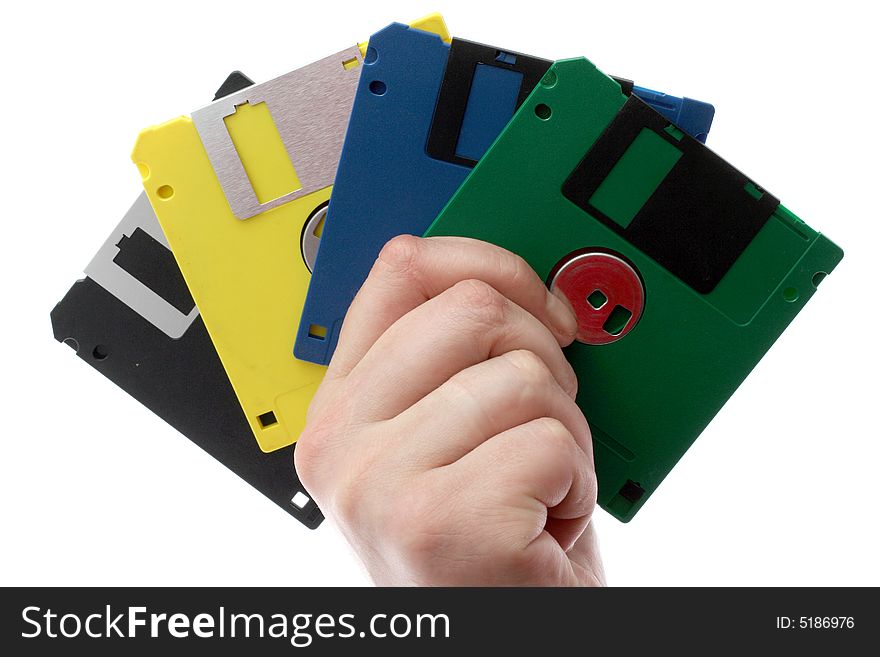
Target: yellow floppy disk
[[241, 189]]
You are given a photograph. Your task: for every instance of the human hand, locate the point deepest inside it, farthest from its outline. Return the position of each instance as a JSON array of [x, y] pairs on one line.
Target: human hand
[[445, 441]]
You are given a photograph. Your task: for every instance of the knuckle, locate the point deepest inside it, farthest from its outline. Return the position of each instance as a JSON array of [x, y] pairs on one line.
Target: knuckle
[[464, 388], [591, 491], [359, 495], [482, 302], [347, 500], [307, 455], [587, 494], [554, 435], [568, 380], [518, 275], [530, 368], [400, 254], [517, 272], [304, 456]]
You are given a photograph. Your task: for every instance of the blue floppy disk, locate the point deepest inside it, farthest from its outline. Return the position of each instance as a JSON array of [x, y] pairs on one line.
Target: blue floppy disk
[[424, 113]]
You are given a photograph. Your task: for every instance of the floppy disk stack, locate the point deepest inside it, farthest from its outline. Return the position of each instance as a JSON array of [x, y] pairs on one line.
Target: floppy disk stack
[[218, 300]]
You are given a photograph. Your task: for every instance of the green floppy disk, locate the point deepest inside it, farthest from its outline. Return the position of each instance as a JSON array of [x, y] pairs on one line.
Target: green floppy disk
[[681, 270]]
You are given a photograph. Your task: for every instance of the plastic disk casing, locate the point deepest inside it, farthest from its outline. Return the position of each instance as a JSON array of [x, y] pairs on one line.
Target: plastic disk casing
[[424, 113], [235, 186], [133, 319], [584, 169]]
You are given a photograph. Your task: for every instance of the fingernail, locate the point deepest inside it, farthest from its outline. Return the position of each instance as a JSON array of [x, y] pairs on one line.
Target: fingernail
[[561, 315]]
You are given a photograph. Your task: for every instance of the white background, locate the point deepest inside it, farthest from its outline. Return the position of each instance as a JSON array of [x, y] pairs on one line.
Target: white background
[[781, 488]]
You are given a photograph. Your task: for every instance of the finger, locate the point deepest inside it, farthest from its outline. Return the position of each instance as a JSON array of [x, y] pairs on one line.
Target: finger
[[480, 402], [463, 326], [586, 559], [536, 466], [411, 270]]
